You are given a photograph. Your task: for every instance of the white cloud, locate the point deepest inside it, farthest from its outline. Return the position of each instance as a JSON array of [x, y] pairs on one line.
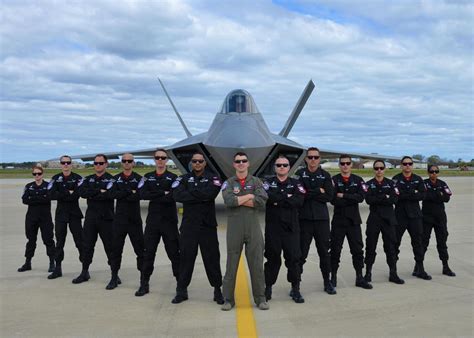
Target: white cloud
[[394, 75]]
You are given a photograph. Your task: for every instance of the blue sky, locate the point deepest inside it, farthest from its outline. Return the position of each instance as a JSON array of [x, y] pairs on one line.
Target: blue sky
[[393, 77]]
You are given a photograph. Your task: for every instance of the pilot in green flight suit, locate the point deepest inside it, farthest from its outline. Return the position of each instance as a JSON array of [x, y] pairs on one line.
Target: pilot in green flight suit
[[243, 195]]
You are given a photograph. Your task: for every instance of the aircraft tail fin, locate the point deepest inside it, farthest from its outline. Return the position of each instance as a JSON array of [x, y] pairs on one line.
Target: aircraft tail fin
[[297, 110], [186, 130]]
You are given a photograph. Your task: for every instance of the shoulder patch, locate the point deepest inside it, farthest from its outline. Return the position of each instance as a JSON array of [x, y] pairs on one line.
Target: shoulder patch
[[364, 186], [80, 182], [301, 189], [224, 186], [50, 184], [217, 182], [141, 183], [447, 190], [396, 190], [109, 185], [265, 185], [176, 183]]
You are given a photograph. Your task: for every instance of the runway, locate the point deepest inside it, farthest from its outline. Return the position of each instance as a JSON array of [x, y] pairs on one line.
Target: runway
[[32, 305]]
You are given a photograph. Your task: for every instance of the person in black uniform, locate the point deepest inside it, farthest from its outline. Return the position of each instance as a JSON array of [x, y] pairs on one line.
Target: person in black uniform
[[97, 189], [197, 191], [162, 219], [282, 230], [314, 215], [127, 220], [409, 217], [434, 216], [63, 187], [381, 196], [38, 216], [349, 192]]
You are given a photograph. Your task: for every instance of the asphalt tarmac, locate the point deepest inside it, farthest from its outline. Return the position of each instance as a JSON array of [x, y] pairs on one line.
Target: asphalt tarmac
[[32, 305]]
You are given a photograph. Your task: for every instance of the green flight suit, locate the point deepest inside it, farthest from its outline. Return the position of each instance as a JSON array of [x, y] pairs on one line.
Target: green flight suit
[[243, 228]]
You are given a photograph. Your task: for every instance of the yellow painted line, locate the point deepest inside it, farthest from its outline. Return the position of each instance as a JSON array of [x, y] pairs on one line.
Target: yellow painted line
[[246, 326]]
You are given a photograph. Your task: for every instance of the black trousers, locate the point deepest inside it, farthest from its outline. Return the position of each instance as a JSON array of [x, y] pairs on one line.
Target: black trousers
[[341, 229], [441, 233], [153, 233], [75, 227], [32, 224], [415, 229], [95, 226], [389, 237], [277, 240], [206, 239], [320, 231], [132, 226]]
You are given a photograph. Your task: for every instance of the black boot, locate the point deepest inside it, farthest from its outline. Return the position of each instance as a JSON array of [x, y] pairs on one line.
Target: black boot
[[26, 266], [181, 296], [334, 277], [421, 273], [329, 288], [57, 271], [446, 270], [114, 282], [415, 270], [218, 298], [268, 292], [51, 265], [368, 273], [83, 277], [144, 287], [361, 282], [393, 277], [295, 293]]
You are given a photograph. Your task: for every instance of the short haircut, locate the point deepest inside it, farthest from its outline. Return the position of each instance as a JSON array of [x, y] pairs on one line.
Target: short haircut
[[69, 157], [162, 150], [430, 166], [312, 149], [240, 153], [282, 156], [405, 157], [101, 155], [128, 154], [38, 167], [345, 156], [198, 152], [378, 161]]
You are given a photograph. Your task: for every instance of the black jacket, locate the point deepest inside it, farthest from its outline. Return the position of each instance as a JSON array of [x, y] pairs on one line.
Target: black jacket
[[348, 206], [197, 193], [68, 203], [315, 202], [437, 194], [412, 191], [381, 197], [284, 200], [37, 199], [99, 204], [157, 189], [128, 202]]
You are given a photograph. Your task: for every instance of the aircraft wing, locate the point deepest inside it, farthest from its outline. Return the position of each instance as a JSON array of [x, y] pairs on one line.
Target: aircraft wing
[[140, 153], [326, 153]]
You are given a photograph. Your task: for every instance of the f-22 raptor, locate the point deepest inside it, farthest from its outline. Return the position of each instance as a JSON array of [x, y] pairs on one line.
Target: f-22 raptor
[[238, 126]]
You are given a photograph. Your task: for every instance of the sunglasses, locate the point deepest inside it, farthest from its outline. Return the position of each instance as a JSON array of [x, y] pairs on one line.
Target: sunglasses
[[240, 161], [197, 161], [407, 164], [313, 157], [65, 162], [434, 171], [344, 163], [379, 168], [162, 158], [36, 174], [127, 161], [279, 165], [99, 163]]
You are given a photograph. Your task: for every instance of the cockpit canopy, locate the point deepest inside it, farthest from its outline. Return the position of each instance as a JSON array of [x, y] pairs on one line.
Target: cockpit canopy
[[239, 101]]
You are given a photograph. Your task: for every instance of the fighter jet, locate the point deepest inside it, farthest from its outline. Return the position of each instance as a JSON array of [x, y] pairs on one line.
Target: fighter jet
[[238, 126]]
